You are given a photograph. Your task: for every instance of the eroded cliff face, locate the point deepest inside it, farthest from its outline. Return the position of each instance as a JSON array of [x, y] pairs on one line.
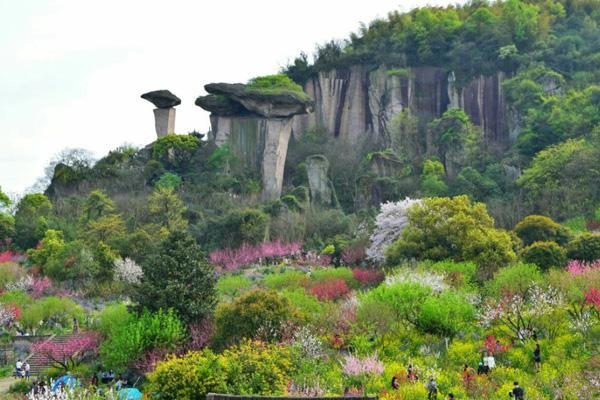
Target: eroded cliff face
[[360, 102]]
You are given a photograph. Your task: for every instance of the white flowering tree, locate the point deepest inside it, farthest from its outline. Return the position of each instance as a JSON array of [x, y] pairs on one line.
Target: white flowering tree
[[390, 222], [521, 312], [126, 270]]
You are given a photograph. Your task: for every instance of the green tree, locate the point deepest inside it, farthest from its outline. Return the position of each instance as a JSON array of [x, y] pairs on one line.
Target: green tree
[[432, 179], [562, 180], [545, 254], [31, 219], [178, 277], [452, 228], [446, 314], [585, 247], [166, 209], [7, 222], [97, 205], [516, 279]]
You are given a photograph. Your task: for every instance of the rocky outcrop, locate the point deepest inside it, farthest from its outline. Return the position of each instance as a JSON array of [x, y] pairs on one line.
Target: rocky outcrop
[[256, 126], [321, 189], [164, 113], [360, 101]]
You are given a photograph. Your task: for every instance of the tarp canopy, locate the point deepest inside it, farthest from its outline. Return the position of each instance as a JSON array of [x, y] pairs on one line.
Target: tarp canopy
[[129, 394], [68, 380]]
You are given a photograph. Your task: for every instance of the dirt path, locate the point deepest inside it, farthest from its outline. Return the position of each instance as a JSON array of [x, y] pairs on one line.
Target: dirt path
[[5, 384]]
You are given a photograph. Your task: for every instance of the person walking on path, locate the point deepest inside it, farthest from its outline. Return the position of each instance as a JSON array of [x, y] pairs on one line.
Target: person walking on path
[[537, 357], [27, 368], [18, 367], [517, 393], [432, 389]]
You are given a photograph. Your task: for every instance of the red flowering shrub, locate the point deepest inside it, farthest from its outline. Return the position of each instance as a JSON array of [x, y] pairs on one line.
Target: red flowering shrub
[[492, 347], [353, 255], [330, 290], [7, 256], [593, 297], [367, 277]]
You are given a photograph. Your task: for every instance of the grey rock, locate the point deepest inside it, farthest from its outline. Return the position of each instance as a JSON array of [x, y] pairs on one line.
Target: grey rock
[[269, 105], [220, 105], [162, 98], [321, 191]]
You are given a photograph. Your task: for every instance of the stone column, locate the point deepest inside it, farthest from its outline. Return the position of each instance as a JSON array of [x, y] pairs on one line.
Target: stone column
[[164, 114], [277, 137]]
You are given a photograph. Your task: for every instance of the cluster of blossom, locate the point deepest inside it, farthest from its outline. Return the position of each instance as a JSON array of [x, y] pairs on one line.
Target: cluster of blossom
[[593, 297], [368, 277], [491, 345], [310, 345], [347, 313], [200, 334], [126, 270], [583, 322], [148, 361], [433, 280], [10, 256], [519, 310], [576, 267], [74, 350], [389, 224], [71, 394], [36, 287], [8, 314], [233, 259], [354, 366], [331, 289], [353, 255], [297, 390]]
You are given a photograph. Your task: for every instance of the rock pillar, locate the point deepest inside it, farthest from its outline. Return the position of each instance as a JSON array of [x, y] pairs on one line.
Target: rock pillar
[[164, 113]]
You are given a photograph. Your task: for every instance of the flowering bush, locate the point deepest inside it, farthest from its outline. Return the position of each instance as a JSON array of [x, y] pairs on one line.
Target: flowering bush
[[353, 255], [70, 353], [521, 312], [126, 270], [424, 278], [330, 290], [9, 313], [593, 297], [491, 345], [390, 222], [577, 267], [230, 260], [35, 287], [359, 371], [367, 277], [309, 345]]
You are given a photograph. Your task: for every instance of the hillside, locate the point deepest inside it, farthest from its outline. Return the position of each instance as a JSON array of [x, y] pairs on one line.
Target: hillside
[[406, 204]]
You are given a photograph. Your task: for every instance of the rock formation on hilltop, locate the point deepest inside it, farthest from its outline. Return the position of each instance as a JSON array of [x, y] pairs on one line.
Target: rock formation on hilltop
[[256, 124]]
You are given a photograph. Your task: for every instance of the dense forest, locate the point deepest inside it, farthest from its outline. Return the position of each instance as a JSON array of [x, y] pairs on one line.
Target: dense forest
[[431, 232]]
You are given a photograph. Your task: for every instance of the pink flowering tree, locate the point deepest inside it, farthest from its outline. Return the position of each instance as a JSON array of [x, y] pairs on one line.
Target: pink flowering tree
[[9, 313], [35, 287], [359, 371], [246, 255], [520, 313], [70, 353]]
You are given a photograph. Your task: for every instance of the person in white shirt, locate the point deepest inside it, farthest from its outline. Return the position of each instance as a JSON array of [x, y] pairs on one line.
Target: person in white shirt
[[18, 366], [27, 368], [491, 361]]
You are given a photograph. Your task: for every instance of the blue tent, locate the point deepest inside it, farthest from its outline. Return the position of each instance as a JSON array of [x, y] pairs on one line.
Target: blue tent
[[129, 394], [68, 380]]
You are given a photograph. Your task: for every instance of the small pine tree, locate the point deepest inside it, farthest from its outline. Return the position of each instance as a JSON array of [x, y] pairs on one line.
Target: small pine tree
[[178, 277]]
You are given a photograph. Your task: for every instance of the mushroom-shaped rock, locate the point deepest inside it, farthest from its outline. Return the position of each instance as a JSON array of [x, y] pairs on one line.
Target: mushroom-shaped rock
[[269, 104], [162, 98], [221, 105]]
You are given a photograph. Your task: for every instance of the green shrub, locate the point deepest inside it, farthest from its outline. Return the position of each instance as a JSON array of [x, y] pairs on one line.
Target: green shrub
[[544, 255], [113, 318], [458, 272], [538, 228], [576, 224], [308, 306], [250, 368], [231, 286], [290, 279], [446, 314], [251, 313], [175, 150], [55, 312], [275, 84], [585, 247], [168, 180], [126, 344], [514, 279], [330, 274], [20, 387]]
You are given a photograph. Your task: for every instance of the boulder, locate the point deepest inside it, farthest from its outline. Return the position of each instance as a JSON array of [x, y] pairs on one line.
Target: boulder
[[221, 105], [317, 167], [162, 98]]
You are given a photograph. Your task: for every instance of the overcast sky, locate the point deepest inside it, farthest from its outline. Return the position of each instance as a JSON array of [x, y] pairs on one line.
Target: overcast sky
[[72, 71]]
